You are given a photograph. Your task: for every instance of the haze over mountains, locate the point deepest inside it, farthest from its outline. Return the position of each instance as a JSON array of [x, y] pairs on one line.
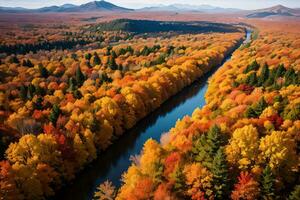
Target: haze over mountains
[[88, 7], [104, 6], [187, 7], [278, 10]]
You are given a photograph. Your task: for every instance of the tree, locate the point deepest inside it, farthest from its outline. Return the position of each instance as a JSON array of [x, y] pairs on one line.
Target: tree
[[252, 79], [246, 188], [268, 184], [31, 91], [27, 63], [220, 175], [43, 71], [54, 114], [264, 74], [256, 109], [243, 146], [179, 180], [14, 59], [280, 71], [96, 59], [88, 56], [105, 191], [23, 92], [295, 195], [254, 66], [72, 84], [108, 49], [205, 148], [79, 77], [112, 63], [38, 104]]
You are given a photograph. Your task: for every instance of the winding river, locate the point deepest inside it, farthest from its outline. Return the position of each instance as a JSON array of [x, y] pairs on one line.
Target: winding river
[[111, 163]]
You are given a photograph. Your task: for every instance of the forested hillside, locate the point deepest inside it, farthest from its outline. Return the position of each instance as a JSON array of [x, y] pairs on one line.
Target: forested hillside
[[244, 144], [60, 109]]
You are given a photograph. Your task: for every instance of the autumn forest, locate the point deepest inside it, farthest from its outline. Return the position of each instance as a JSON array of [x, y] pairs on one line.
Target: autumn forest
[[71, 91]]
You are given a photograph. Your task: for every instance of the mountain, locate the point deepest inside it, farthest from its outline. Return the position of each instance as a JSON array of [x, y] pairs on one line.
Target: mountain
[[188, 8], [278, 10], [93, 6]]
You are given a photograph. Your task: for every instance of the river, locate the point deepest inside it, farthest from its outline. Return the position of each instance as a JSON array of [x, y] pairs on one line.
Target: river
[[111, 163]]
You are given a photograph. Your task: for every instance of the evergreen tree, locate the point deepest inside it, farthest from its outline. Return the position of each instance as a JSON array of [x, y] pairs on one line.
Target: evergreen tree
[[77, 94], [39, 91], [27, 63], [112, 64], [72, 84], [43, 71], [256, 109], [271, 79], [252, 79], [215, 139], [97, 60], [130, 50], [290, 77], [179, 180], [206, 146], [80, 78], [108, 49], [253, 66], [88, 56], [268, 184], [250, 113], [14, 59], [264, 74], [23, 92], [280, 71], [220, 175], [295, 195], [31, 91], [113, 54], [260, 106], [54, 114], [38, 104]]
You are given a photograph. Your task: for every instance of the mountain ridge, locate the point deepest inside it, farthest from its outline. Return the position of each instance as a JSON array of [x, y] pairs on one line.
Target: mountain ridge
[[278, 10], [87, 7]]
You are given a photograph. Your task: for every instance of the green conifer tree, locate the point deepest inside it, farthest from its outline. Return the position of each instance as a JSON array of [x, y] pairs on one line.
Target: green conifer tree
[[268, 184], [220, 175], [54, 114], [79, 76], [97, 60], [43, 71], [295, 195]]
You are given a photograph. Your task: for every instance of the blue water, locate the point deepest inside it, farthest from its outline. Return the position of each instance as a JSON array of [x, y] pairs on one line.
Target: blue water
[[111, 164]]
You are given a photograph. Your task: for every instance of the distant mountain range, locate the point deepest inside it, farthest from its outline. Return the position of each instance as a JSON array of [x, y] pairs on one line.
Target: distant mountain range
[[93, 6], [278, 10], [190, 8], [104, 6]]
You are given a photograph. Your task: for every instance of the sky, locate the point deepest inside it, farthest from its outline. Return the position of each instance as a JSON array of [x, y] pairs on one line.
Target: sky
[[243, 4]]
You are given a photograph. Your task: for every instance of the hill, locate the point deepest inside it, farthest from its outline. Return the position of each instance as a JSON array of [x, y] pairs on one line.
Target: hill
[[93, 6], [278, 10], [188, 8], [147, 26]]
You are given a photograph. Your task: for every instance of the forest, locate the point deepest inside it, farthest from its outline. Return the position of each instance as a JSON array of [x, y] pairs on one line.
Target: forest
[[243, 144], [76, 86], [59, 109]]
